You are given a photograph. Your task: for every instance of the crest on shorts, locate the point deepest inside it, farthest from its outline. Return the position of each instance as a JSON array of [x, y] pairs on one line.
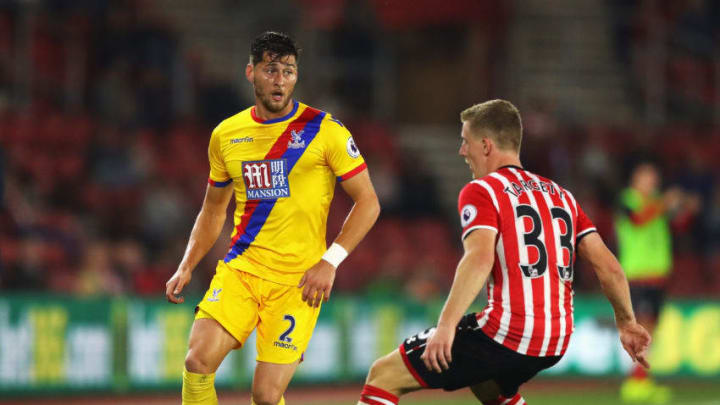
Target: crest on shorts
[[215, 293]]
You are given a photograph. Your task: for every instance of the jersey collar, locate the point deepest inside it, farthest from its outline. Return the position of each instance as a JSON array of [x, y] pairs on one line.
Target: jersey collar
[[274, 120], [509, 167]]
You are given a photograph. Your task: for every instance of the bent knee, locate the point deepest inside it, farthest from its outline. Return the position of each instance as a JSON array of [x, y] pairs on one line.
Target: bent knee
[[197, 364], [390, 374], [384, 368], [487, 392], [376, 370], [267, 397]]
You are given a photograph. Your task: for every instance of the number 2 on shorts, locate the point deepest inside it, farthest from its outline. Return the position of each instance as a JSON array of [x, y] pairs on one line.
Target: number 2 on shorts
[[285, 337]]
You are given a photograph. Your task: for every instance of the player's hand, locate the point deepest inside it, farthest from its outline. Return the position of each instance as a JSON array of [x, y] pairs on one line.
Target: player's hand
[[636, 342], [317, 283], [176, 284], [438, 351], [673, 198]]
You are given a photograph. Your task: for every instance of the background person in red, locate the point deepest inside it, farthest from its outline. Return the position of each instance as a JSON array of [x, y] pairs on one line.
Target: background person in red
[[520, 234]]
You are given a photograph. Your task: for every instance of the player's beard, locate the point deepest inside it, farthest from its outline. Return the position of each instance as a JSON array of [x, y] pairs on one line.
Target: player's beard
[[269, 103]]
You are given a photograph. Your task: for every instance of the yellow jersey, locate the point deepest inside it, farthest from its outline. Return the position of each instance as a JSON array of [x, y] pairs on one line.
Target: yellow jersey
[[283, 172]]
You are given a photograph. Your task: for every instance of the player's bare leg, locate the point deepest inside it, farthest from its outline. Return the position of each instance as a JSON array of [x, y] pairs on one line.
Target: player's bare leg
[[209, 344], [387, 380], [270, 382], [488, 393]]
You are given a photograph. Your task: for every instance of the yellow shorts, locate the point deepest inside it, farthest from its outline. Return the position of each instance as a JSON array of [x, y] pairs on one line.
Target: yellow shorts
[[240, 302]]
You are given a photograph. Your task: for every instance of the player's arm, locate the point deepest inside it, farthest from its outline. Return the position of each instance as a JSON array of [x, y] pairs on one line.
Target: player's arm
[[470, 276], [318, 280], [635, 339], [363, 214], [207, 228]]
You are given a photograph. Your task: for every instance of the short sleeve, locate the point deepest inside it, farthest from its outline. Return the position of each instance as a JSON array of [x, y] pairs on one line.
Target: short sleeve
[[476, 210], [584, 225], [342, 154], [218, 173]]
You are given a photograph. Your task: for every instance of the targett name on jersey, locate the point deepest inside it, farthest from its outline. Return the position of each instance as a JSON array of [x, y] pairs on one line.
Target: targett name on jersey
[[531, 185]]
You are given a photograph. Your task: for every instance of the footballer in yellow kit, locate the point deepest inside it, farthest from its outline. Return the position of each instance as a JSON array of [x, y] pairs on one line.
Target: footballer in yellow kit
[[283, 172], [281, 159]]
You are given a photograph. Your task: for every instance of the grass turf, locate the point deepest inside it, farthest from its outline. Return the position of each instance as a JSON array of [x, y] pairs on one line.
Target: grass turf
[[556, 393]]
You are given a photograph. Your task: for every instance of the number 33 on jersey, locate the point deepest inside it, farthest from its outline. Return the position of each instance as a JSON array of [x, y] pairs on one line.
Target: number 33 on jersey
[[539, 225]]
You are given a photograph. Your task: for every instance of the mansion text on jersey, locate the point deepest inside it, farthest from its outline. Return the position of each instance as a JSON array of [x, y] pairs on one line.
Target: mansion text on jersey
[[258, 194]]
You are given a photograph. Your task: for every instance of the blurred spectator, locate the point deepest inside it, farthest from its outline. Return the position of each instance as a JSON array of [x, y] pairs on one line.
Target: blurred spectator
[[27, 273], [97, 275], [105, 115], [128, 258], [164, 214], [418, 192], [355, 46], [675, 43], [217, 100], [110, 162], [154, 99], [114, 97]]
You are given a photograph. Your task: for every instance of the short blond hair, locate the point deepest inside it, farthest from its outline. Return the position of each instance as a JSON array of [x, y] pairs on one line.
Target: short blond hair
[[501, 118]]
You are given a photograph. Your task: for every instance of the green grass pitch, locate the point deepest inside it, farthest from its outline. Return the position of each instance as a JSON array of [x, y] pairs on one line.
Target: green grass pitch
[[556, 393]]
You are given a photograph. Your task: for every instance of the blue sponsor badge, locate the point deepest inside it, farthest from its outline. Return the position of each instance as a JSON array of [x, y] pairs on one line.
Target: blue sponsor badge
[[266, 179]]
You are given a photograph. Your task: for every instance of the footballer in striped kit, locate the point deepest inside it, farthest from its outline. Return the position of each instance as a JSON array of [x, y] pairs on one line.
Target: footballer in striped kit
[[541, 226], [521, 233]]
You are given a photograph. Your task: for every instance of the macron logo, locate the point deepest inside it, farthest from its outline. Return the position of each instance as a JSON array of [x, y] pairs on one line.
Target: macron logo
[[241, 140], [284, 345]]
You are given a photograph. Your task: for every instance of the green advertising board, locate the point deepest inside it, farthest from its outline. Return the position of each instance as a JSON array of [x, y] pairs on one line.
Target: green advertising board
[[61, 344]]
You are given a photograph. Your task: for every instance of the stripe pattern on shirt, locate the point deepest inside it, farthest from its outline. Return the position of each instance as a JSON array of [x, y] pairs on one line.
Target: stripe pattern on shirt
[[530, 313], [256, 212]]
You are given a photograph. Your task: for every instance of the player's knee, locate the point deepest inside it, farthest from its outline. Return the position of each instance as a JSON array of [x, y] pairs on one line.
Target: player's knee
[[196, 364], [378, 370], [488, 392], [267, 396]]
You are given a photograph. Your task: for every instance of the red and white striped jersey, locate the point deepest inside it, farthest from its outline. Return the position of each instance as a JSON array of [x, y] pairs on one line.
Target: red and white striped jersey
[[539, 224]]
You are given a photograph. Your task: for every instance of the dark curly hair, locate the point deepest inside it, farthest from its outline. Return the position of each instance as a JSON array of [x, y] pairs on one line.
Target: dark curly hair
[[276, 44]]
